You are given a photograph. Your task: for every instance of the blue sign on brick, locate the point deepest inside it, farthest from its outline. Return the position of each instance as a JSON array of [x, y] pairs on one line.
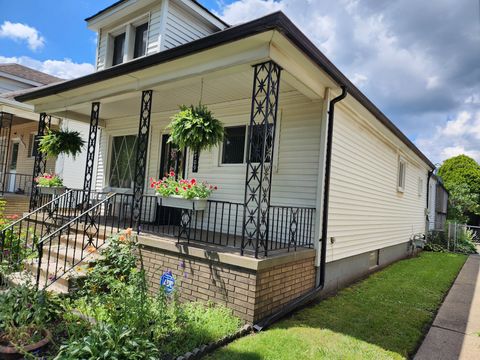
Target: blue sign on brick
[[167, 282]]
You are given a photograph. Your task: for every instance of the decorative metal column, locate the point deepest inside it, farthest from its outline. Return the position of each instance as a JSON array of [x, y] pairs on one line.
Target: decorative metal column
[[91, 145], [5, 131], [141, 163], [40, 163], [260, 147]]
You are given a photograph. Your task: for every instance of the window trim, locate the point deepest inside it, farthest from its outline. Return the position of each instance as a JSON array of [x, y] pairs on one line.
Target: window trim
[[220, 152], [107, 168], [420, 186], [401, 185]]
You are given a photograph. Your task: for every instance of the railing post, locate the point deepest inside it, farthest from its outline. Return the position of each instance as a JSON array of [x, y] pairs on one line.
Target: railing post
[[5, 132], [40, 163], [260, 148], [91, 145], [141, 157]]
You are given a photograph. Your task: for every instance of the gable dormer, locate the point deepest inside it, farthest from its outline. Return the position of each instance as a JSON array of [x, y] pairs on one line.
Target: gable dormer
[[130, 29]]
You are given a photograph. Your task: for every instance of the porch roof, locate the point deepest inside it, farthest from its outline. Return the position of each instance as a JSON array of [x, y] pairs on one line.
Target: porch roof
[[276, 22]]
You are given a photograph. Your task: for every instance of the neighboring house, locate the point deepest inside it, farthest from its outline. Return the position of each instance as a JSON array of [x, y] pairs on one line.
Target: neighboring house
[[312, 212], [18, 129]]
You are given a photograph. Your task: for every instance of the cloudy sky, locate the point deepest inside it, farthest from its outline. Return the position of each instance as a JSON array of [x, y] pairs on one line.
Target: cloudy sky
[[418, 60]]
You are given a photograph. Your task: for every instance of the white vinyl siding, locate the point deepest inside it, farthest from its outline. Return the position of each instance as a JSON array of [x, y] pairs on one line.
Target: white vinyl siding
[[366, 211], [182, 27]]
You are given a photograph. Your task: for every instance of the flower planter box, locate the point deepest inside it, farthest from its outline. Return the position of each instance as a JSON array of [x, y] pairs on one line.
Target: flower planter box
[[181, 203], [52, 190]]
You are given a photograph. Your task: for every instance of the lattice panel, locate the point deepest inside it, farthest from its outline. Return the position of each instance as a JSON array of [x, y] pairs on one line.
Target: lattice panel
[[91, 145], [40, 163], [5, 132], [260, 146], [141, 156]]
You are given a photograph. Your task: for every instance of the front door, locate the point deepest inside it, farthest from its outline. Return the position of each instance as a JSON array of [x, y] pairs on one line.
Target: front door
[[172, 159], [13, 167]]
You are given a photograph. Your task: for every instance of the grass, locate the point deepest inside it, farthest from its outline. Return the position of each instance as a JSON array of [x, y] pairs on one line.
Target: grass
[[383, 317]]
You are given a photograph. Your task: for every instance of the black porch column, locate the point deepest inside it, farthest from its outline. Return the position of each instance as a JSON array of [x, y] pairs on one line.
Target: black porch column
[[260, 143], [91, 145], [5, 132], [141, 163], [40, 163]]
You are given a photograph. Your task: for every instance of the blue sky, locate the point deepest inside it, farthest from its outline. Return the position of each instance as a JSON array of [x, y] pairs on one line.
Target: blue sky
[[418, 61]]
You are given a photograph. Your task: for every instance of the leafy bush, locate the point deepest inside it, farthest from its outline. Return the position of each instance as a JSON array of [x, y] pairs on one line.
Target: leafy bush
[[187, 189], [438, 242], [49, 180]]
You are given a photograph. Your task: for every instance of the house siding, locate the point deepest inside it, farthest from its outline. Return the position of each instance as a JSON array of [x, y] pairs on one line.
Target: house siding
[[366, 210]]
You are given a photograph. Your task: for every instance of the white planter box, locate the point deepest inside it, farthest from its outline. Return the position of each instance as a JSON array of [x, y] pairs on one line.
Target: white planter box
[[52, 190], [176, 201]]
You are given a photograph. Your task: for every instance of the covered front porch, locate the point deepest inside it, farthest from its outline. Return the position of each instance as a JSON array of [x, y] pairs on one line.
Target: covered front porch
[[268, 171]]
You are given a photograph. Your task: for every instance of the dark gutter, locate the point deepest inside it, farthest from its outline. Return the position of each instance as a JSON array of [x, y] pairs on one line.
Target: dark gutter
[[276, 21], [320, 273], [115, 4]]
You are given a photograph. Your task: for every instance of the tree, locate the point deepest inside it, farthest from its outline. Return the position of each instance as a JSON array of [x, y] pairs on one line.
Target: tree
[[461, 177]]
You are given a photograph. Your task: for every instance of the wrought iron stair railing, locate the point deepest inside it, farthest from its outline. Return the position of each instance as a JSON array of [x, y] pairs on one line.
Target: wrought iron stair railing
[[18, 239]]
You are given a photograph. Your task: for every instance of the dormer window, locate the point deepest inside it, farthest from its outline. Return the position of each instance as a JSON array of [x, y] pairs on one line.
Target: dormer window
[[140, 48], [118, 49]]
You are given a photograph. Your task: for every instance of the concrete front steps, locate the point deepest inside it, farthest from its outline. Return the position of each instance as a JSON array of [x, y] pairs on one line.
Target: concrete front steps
[[63, 264]]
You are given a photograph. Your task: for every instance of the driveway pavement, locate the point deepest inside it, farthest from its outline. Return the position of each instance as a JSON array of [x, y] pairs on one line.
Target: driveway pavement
[[455, 333]]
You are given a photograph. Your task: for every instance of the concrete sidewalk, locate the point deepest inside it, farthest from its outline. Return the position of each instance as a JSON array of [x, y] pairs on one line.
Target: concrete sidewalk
[[455, 333]]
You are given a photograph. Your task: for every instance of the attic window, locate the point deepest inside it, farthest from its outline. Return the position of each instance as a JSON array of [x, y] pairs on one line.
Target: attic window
[[118, 49], [402, 170], [141, 32]]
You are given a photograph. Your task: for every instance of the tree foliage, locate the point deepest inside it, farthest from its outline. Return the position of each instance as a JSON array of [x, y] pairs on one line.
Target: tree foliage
[[461, 177]]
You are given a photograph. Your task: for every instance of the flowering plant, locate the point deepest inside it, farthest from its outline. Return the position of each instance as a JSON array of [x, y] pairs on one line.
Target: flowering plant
[[187, 189], [49, 180]]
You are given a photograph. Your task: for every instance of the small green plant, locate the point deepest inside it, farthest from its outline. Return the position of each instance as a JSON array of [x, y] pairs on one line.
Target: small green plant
[[187, 189], [56, 142], [49, 180], [195, 127]]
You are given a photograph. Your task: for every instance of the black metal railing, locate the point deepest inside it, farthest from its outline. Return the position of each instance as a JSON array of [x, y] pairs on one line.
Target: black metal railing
[[17, 183], [56, 237]]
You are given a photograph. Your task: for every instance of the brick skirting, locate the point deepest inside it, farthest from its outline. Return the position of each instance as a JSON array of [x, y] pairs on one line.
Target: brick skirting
[[252, 288]]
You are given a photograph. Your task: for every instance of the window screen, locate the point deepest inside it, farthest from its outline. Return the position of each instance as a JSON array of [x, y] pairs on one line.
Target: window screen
[[402, 168]]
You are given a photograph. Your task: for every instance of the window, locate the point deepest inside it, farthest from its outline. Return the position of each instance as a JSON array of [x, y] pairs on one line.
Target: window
[[118, 49], [235, 140], [234, 145], [122, 162], [140, 40], [402, 170], [33, 145], [374, 259]]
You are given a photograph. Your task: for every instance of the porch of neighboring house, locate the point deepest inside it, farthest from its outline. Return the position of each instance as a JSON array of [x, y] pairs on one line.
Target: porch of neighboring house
[[253, 247], [18, 143]]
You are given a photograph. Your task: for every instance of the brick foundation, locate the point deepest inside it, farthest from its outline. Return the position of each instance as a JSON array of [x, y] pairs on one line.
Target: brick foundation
[[252, 288]]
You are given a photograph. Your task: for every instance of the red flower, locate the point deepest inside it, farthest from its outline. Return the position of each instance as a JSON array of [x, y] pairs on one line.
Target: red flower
[[172, 173], [184, 188], [215, 187], [189, 186], [193, 181], [176, 189]]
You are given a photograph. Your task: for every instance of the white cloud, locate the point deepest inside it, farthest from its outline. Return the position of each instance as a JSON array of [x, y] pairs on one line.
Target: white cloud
[[458, 126], [473, 99], [22, 32], [65, 69], [359, 79]]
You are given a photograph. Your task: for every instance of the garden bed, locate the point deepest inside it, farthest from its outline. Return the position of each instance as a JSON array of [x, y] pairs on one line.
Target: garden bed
[[112, 316]]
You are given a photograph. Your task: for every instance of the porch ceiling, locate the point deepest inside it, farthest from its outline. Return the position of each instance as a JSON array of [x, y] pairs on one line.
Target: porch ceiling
[[212, 89]]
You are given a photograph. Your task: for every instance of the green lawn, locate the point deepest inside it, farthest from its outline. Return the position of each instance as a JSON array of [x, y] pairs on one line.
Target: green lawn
[[382, 317]]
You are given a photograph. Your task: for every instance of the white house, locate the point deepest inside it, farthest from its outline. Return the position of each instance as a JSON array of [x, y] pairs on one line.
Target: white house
[[339, 192]]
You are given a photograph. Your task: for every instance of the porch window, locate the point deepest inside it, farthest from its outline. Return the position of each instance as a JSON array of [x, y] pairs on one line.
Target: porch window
[[118, 49], [402, 170], [140, 40], [234, 144], [122, 161], [33, 145]]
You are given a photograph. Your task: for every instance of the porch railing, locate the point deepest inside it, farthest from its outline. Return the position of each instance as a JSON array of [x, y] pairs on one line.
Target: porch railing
[[16, 183]]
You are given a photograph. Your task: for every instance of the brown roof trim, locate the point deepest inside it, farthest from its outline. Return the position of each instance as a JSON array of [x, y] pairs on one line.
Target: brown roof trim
[[276, 21], [122, 1]]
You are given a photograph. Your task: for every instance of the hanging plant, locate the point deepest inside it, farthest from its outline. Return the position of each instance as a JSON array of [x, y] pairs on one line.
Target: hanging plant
[[56, 142], [195, 127]]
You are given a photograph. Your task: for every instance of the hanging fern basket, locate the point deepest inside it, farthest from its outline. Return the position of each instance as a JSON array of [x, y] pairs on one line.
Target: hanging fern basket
[[195, 127], [56, 142]]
